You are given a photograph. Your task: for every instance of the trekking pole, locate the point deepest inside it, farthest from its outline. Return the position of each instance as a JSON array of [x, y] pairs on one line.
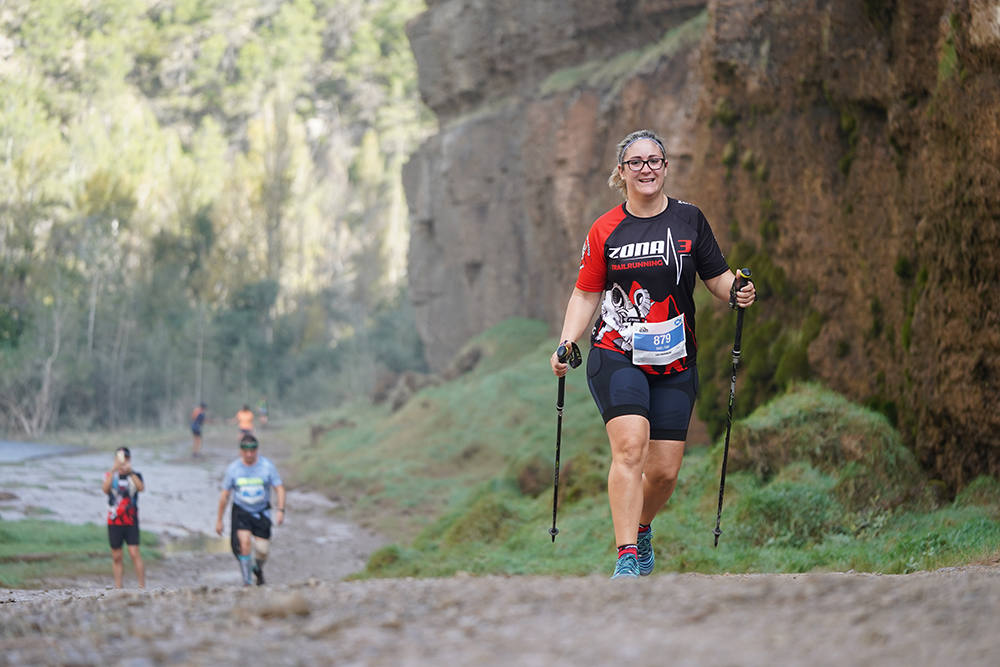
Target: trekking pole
[[742, 276], [570, 355]]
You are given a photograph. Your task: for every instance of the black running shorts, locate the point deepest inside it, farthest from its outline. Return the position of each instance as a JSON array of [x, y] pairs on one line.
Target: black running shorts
[[127, 534], [256, 522], [621, 388]]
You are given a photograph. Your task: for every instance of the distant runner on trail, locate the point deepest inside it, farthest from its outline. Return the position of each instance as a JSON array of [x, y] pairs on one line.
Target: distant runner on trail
[[643, 256], [249, 480], [262, 411], [197, 422], [244, 420], [122, 485]]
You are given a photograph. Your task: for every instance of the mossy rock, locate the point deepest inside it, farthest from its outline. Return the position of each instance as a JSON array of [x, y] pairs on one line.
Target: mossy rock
[[857, 446]]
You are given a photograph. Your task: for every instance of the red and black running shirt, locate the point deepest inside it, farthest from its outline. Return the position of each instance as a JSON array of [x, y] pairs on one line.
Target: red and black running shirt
[[646, 268], [123, 501]]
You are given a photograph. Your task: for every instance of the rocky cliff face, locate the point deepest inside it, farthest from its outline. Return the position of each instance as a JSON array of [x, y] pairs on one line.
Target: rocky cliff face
[[531, 98], [850, 147]]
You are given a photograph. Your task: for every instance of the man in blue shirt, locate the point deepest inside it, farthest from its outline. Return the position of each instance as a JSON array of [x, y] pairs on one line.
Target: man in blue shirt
[[249, 480]]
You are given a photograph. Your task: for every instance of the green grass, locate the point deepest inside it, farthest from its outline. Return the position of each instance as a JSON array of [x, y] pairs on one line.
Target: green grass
[[33, 551], [461, 479], [495, 424]]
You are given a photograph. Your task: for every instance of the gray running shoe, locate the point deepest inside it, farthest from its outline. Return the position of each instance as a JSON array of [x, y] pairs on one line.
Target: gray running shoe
[[627, 566], [646, 557]]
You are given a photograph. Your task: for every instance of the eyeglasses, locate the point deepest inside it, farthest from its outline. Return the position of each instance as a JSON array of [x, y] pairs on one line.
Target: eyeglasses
[[636, 164]]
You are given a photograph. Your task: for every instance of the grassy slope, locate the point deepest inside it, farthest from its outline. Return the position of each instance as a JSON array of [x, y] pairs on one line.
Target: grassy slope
[[461, 477], [403, 469]]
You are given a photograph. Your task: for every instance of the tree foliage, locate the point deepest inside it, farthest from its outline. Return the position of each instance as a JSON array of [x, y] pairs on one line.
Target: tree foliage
[[199, 200]]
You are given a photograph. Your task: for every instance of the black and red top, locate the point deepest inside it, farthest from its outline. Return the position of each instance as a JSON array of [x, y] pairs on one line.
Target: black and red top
[[123, 500], [646, 268]]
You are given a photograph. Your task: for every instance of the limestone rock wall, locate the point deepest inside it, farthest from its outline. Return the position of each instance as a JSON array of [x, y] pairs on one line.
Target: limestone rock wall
[[531, 98], [856, 143]]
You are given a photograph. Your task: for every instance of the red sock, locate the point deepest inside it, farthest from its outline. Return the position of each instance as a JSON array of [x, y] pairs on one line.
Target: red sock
[[628, 549]]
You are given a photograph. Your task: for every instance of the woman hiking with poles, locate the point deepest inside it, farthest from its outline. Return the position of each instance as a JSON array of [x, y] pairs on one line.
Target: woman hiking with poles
[[639, 263]]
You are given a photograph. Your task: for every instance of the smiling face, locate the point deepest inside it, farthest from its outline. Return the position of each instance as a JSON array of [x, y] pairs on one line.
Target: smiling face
[[646, 182]]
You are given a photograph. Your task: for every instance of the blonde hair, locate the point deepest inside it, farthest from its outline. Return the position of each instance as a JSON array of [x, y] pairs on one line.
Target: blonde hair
[[615, 180]]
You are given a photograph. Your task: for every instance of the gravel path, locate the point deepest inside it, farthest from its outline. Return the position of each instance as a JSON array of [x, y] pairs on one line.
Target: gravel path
[[946, 617], [194, 612]]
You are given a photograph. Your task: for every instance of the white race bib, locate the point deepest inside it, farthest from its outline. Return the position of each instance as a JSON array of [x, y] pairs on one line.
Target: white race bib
[[659, 343]]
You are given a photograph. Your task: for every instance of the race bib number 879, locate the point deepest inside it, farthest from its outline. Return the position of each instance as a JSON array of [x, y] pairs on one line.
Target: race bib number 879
[[659, 343]]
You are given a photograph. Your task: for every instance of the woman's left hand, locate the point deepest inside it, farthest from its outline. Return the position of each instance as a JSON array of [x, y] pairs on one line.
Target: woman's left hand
[[746, 295]]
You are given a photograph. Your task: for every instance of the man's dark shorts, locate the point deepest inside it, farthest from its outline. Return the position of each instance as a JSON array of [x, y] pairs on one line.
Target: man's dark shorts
[[621, 388], [127, 534], [256, 522]]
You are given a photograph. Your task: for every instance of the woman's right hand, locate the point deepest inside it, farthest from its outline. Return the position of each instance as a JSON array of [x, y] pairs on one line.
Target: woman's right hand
[[559, 368]]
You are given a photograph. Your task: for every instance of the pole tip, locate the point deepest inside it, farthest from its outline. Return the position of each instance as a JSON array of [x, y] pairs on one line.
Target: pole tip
[[553, 531]]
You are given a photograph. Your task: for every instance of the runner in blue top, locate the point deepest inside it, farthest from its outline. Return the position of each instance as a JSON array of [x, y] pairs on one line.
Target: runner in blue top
[[639, 263], [249, 480]]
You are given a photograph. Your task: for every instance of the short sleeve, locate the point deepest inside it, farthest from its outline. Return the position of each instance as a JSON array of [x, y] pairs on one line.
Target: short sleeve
[[275, 477], [708, 255], [593, 274], [227, 480]]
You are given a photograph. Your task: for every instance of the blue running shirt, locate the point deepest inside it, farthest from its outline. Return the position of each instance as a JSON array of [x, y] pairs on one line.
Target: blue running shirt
[[251, 485]]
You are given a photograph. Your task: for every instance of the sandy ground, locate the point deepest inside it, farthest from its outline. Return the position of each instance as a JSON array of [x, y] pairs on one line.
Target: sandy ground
[[195, 612]]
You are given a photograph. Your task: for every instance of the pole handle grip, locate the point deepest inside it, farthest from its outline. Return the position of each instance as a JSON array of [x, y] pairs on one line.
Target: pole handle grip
[[569, 353], [743, 275], [742, 278]]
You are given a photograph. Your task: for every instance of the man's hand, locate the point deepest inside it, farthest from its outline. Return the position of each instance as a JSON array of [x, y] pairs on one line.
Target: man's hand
[[280, 518], [218, 526]]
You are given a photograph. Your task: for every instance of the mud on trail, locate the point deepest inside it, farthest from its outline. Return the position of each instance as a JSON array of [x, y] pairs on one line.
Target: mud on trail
[[195, 611]]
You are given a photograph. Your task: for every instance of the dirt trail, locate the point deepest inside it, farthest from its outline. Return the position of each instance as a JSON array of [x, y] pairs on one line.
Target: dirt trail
[[180, 504], [196, 613], [939, 618]]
